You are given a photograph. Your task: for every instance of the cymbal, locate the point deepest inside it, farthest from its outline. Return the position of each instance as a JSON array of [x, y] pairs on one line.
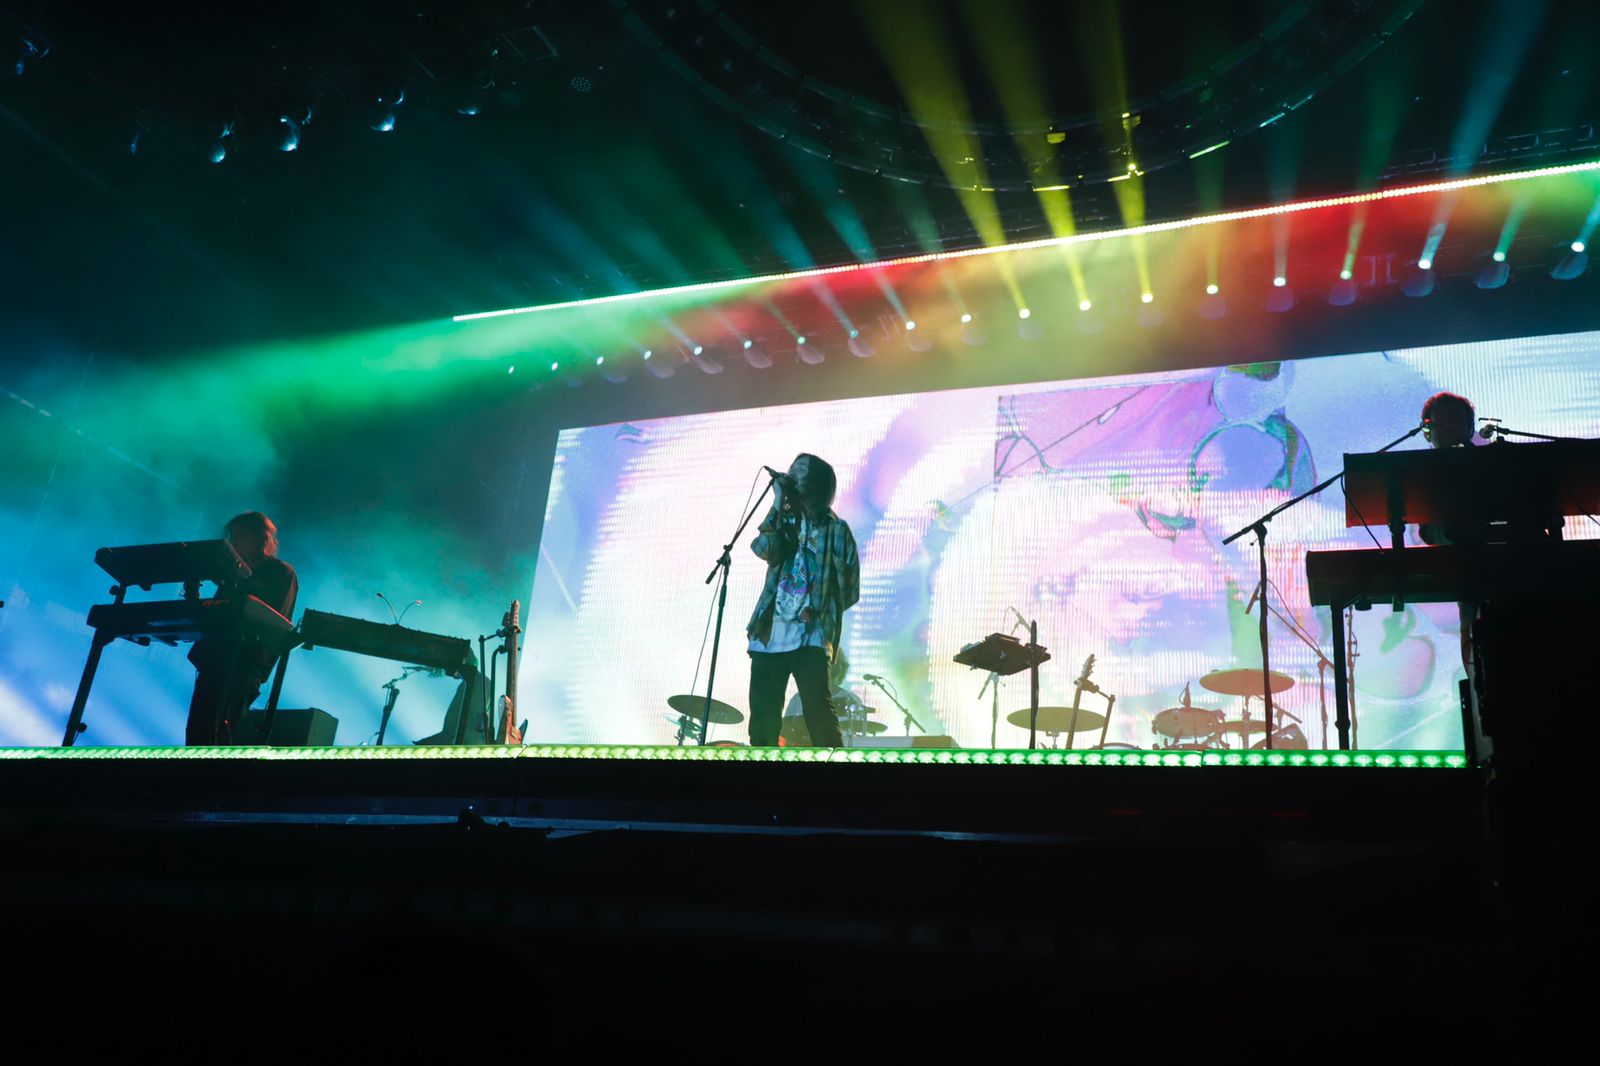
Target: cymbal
[[857, 711], [858, 727], [1243, 682], [695, 706], [1057, 719], [1187, 721], [1254, 725]]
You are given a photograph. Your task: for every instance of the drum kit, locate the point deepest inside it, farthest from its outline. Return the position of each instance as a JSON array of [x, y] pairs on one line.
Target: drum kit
[[1190, 728], [1184, 727]]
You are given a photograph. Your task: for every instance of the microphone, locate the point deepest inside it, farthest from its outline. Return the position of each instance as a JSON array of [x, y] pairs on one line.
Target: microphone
[[871, 677], [1255, 594], [1490, 427], [779, 475]]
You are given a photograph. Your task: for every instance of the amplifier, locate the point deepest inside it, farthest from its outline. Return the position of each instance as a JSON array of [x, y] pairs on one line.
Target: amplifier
[[303, 727]]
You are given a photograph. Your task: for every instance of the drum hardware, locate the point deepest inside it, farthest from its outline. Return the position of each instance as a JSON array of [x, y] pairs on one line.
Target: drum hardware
[[693, 712]]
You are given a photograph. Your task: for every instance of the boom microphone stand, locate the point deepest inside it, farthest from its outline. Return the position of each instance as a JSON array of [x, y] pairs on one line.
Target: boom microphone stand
[[723, 565], [1259, 528]]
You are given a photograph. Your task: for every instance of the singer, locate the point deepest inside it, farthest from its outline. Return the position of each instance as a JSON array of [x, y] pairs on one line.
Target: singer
[[813, 577]]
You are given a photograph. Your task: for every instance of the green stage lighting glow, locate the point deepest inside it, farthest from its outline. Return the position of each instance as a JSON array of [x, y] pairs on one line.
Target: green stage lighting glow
[[1578, 246], [1049, 242], [1147, 297], [1208, 151], [1409, 760], [1345, 275], [1025, 313], [1084, 305], [1499, 256]]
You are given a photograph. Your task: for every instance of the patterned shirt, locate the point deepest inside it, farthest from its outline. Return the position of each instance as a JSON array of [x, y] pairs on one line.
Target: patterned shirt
[[812, 582]]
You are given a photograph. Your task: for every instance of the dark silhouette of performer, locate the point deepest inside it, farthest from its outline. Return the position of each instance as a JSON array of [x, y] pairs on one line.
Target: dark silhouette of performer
[[813, 577], [232, 664]]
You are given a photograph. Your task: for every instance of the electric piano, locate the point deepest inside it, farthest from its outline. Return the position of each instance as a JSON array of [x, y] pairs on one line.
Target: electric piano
[[1514, 500], [321, 629], [186, 620]]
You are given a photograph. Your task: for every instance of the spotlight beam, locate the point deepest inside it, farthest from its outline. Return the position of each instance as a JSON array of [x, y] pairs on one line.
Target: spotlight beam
[[1049, 242]]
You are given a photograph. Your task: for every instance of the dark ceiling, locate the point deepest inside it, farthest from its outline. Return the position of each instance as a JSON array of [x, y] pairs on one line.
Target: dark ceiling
[[619, 145]]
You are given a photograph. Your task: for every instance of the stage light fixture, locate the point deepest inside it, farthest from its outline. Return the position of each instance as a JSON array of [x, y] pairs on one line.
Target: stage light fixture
[[648, 353], [599, 360], [860, 347], [854, 333], [1026, 313], [290, 138], [800, 340], [1424, 264], [219, 147], [32, 49], [1280, 281], [748, 344], [1213, 306], [1084, 305], [1499, 257], [966, 318], [1419, 282], [383, 117], [1212, 290], [910, 325], [809, 354], [1578, 246], [1147, 297], [511, 370], [555, 366], [1280, 299], [756, 357], [1345, 275], [1493, 274], [706, 361], [1570, 266], [1343, 292]]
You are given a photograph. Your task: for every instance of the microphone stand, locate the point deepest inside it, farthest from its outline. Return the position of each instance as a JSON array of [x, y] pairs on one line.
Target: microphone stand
[[723, 565], [1259, 528], [992, 686], [910, 720]]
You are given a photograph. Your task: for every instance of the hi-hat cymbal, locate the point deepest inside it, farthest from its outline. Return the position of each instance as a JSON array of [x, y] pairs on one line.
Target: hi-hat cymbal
[[1243, 682], [1057, 719], [695, 706]]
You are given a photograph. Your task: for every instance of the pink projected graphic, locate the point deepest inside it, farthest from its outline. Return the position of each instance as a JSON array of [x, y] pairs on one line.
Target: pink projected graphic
[[1095, 507]]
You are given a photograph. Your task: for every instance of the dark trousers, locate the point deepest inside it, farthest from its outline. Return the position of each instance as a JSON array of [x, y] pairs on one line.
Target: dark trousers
[[227, 682], [769, 678]]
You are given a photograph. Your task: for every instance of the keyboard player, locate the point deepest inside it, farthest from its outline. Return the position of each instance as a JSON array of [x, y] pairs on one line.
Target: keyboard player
[[214, 710]]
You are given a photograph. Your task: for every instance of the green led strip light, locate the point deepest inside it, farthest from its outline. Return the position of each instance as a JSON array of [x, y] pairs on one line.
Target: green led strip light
[[1050, 242], [1429, 760]]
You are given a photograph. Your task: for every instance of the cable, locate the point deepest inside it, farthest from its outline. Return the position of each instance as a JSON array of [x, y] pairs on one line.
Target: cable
[[1362, 517]]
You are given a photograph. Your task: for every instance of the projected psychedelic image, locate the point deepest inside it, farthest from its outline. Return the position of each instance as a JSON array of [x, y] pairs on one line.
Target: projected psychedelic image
[[1097, 507]]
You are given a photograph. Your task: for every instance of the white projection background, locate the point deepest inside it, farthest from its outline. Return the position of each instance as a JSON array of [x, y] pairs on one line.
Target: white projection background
[[1096, 506]]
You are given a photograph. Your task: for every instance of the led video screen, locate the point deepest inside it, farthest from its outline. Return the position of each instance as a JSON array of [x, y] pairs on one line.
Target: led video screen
[[1096, 508]]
